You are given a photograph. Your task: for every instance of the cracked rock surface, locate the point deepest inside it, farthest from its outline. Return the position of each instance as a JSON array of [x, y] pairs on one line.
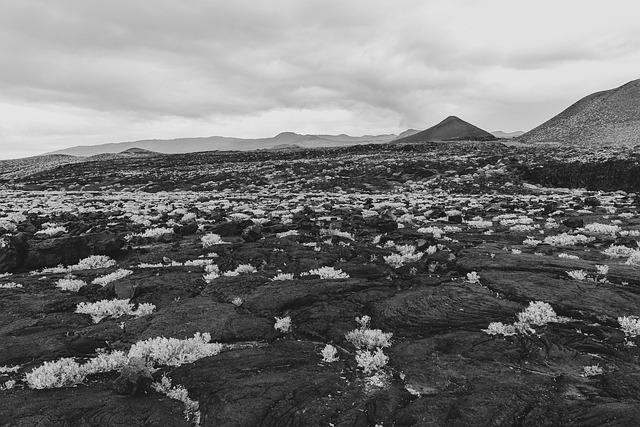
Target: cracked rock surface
[[406, 226]]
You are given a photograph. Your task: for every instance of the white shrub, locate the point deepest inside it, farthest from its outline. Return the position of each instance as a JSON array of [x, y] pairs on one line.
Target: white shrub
[[140, 219], [282, 276], [480, 223], [435, 231], [52, 231], [191, 407], [565, 239], [241, 269], [498, 328], [595, 227], [64, 372], [105, 362], [113, 308], [537, 313], [370, 361], [93, 262], [521, 220], [577, 274], [198, 262], [212, 239], [333, 232], [211, 272], [618, 251], [144, 309], [174, 352], [473, 277], [634, 258], [9, 369], [283, 324], [8, 385], [328, 273], [407, 255], [366, 338], [108, 278], [67, 372], [630, 325], [287, 234], [530, 241], [151, 233], [592, 371], [522, 228], [329, 354], [10, 285], [395, 260], [70, 284]]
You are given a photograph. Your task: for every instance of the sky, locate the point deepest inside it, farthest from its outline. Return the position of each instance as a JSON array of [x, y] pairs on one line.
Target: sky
[[78, 72]]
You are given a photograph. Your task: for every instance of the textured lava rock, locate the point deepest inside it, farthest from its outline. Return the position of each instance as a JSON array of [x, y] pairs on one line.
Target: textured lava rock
[[68, 250]]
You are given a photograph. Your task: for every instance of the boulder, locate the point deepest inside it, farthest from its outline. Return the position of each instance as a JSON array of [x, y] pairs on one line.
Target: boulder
[[186, 229], [252, 233], [134, 378], [573, 222], [33, 254]]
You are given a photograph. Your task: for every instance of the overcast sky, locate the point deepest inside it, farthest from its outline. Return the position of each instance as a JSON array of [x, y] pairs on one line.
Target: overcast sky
[[79, 72]]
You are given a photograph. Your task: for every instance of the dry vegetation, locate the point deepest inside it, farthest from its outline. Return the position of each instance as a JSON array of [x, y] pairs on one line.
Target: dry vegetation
[[433, 284]]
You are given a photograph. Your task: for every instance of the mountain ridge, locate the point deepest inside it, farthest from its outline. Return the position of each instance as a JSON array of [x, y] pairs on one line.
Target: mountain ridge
[[224, 143]]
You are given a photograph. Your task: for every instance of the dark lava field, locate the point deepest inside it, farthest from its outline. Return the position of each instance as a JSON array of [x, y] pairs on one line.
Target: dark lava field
[[435, 284]]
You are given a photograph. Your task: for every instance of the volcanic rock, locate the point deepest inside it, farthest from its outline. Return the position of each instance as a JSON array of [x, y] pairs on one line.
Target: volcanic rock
[[573, 222], [607, 117], [186, 229]]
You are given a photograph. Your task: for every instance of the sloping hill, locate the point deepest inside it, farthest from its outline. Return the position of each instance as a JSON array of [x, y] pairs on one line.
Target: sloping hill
[[407, 132], [14, 168], [450, 129], [603, 118], [20, 168]]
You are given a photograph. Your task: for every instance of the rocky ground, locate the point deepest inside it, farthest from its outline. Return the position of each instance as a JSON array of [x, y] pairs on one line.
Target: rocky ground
[[445, 246]]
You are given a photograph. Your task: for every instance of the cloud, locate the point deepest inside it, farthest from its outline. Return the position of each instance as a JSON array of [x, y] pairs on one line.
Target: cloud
[[221, 66]]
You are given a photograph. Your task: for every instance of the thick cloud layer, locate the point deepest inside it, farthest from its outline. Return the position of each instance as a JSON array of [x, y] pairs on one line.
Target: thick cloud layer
[[82, 72]]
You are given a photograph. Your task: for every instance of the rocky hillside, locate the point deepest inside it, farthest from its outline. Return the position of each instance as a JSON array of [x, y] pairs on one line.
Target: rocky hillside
[[15, 168], [610, 117], [18, 168], [450, 129]]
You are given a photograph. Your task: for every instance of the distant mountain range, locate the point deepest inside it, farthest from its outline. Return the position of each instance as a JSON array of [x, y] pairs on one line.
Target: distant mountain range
[[506, 135], [223, 143], [284, 140], [607, 117]]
